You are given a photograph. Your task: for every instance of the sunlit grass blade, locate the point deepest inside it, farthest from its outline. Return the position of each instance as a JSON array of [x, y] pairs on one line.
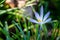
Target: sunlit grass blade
[[4, 11], [15, 36], [20, 29], [54, 30], [37, 30], [7, 31], [38, 37], [1, 24], [2, 1]]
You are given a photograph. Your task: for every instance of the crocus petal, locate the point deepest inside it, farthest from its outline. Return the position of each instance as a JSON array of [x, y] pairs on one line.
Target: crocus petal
[[37, 15], [41, 12], [48, 20], [46, 16], [32, 20]]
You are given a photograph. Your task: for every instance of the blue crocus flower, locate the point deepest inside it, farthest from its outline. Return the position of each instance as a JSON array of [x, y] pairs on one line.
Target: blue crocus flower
[[41, 19]]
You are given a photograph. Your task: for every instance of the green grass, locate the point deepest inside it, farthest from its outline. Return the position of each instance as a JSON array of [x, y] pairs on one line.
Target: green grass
[[14, 24]]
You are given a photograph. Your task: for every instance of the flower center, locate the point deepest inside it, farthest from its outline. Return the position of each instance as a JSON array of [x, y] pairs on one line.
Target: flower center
[[39, 20]]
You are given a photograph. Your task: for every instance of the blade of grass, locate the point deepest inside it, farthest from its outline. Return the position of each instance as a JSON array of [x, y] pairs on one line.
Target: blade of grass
[[20, 30], [7, 31], [28, 36]]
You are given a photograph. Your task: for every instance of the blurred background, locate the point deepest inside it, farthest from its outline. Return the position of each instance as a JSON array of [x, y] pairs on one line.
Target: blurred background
[[18, 10]]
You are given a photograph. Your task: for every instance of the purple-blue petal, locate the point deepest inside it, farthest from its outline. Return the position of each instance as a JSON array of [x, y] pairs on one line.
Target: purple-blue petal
[[46, 16], [41, 12], [32, 20], [37, 15], [48, 20]]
